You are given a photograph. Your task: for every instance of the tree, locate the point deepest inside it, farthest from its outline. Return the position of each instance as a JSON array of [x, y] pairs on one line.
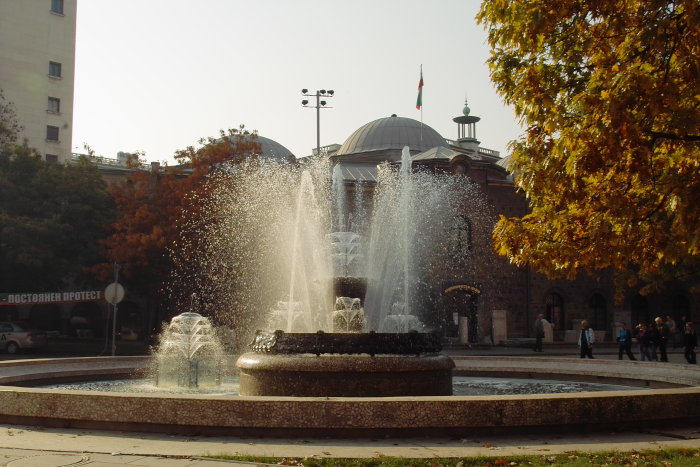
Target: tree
[[9, 126], [610, 160], [161, 214], [51, 219], [51, 215]]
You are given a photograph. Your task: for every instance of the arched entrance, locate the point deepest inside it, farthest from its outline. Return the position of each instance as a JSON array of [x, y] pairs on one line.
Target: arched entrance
[[598, 312], [130, 321], [46, 317], [681, 308], [86, 320], [554, 313], [462, 304], [640, 310]]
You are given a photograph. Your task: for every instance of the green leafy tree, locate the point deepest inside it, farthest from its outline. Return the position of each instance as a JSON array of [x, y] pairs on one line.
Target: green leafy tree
[[51, 219], [609, 95], [51, 215]]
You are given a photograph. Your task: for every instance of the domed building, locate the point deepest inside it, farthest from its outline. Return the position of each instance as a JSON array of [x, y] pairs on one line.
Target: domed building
[[500, 302], [464, 301], [384, 138]]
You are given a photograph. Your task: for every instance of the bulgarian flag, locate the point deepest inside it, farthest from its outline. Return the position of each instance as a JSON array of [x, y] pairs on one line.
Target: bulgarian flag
[[419, 101]]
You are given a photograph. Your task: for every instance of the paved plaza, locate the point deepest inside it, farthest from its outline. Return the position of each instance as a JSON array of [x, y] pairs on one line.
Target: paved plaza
[[24, 446]]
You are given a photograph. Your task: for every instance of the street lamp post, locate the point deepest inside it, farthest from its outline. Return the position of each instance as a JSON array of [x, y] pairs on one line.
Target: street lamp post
[[319, 105]]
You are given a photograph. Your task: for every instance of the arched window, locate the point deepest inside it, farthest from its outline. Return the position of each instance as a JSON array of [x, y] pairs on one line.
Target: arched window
[[463, 234], [554, 313], [598, 312], [459, 169]]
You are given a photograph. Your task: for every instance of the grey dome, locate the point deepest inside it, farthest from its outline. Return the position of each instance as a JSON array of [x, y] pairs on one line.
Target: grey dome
[[270, 149], [391, 133]]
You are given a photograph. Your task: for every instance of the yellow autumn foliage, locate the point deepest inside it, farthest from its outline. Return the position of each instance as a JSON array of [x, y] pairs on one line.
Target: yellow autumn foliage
[[608, 92]]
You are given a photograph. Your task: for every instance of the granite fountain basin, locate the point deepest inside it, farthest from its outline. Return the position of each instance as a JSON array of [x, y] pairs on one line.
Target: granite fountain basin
[[672, 395]]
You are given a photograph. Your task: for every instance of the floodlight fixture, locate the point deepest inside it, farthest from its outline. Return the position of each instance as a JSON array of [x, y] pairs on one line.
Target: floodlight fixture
[[319, 105]]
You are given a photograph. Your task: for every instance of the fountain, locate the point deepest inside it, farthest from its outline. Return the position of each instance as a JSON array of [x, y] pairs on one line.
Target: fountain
[[348, 315], [346, 254], [400, 320], [189, 353], [388, 360]]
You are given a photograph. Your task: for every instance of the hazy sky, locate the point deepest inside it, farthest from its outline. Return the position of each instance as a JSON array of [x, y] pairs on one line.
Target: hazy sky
[[157, 75]]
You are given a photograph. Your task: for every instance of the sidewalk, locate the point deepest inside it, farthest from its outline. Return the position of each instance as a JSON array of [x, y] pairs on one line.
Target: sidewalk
[[33, 446]]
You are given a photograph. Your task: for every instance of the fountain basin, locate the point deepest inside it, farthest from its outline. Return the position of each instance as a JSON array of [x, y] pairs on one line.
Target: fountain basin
[[345, 365], [354, 416], [344, 375]]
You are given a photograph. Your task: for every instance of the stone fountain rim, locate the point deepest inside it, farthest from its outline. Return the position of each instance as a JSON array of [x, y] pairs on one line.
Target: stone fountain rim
[[352, 417]]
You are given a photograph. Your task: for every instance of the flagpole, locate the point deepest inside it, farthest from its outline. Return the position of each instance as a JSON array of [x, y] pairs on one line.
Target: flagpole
[[420, 102]]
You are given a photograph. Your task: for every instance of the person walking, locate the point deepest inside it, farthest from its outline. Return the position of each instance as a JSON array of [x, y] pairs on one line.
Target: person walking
[[624, 338], [654, 337], [681, 329], [586, 339], [538, 328], [662, 335], [643, 337], [690, 341], [672, 331]]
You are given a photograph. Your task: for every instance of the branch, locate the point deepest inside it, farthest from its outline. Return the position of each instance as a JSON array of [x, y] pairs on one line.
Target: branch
[[660, 135]]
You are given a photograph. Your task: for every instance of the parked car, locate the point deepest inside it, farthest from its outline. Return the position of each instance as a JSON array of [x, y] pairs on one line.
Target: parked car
[[16, 336]]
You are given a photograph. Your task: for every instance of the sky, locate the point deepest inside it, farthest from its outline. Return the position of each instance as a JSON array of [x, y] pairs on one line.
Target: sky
[[155, 76]]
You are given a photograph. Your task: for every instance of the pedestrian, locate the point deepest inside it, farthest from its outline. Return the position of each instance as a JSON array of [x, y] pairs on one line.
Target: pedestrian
[[586, 339], [539, 332], [624, 338], [643, 337], [681, 329], [672, 331], [662, 338], [654, 338], [690, 341]]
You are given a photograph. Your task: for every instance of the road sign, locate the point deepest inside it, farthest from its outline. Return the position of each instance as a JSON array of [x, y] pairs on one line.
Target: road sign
[[114, 293]]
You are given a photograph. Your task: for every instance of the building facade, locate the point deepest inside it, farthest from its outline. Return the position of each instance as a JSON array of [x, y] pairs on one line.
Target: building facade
[[37, 63], [494, 288]]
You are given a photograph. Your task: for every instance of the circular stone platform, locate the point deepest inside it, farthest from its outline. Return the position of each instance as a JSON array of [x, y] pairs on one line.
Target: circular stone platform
[[355, 416], [344, 375]]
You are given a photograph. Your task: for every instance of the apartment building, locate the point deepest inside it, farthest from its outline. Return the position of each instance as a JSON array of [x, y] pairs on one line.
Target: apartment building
[[37, 63]]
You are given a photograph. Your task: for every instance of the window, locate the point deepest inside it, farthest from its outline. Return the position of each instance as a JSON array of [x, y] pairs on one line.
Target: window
[[57, 6], [55, 69], [51, 133], [54, 105], [463, 233], [51, 159]]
